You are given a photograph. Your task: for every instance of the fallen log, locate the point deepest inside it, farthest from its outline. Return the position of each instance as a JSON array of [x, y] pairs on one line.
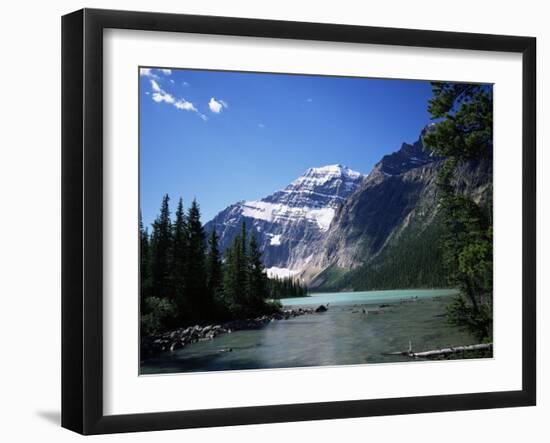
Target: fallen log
[[443, 351], [451, 350]]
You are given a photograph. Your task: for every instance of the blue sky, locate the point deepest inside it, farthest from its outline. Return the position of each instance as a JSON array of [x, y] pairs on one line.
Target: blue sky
[[222, 137]]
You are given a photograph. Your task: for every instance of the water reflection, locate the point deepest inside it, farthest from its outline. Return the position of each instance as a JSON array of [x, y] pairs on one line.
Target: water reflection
[[358, 328]]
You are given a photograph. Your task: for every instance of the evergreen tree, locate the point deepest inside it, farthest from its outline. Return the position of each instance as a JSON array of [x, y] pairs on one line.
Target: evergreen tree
[[157, 307], [145, 263], [235, 277], [229, 278], [179, 260], [243, 267], [243, 239], [161, 245], [464, 132], [195, 276], [214, 267], [286, 287], [412, 260], [257, 284], [185, 282]]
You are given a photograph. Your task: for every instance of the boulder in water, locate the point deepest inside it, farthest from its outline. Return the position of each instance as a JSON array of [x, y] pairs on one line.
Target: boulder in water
[[321, 308]]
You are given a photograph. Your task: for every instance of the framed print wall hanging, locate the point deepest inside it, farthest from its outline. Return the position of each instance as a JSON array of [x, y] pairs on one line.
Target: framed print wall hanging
[[270, 221]]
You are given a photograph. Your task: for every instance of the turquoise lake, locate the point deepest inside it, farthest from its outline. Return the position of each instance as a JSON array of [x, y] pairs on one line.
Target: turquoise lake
[[357, 328], [367, 297]]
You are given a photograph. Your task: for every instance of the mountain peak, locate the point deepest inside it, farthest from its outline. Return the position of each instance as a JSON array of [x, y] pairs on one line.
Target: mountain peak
[[289, 223], [336, 169], [409, 156], [326, 175]]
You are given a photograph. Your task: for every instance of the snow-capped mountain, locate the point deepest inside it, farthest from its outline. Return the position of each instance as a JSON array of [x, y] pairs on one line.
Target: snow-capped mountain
[[332, 226], [290, 222]]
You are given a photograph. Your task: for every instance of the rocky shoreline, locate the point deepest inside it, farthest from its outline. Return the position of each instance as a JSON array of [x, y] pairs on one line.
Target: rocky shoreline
[[181, 337]]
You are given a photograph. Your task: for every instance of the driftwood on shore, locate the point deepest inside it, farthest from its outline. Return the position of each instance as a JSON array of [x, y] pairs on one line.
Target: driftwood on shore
[[434, 353]]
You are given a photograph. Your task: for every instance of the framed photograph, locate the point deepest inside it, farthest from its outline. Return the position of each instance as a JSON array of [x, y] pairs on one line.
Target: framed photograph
[[269, 221]]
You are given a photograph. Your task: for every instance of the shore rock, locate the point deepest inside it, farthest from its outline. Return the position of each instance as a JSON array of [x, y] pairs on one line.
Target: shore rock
[[181, 337]]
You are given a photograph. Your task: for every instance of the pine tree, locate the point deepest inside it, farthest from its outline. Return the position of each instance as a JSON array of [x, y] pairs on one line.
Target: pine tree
[[235, 281], [145, 263], [464, 132], [257, 284], [285, 287], [243, 240], [229, 278], [243, 268], [179, 260], [195, 276], [157, 307], [161, 245], [214, 268], [185, 282]]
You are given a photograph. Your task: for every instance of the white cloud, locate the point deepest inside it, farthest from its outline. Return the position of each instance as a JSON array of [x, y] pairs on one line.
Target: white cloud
[[147, 72], [172, 81], [155, 86], [160, 96], [186, 84], [261, 125], [309, 100], [216, 106], [185, 105], [150, 72], [163, 97]]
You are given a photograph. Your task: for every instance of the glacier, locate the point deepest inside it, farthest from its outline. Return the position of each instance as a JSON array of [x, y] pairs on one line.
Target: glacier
[[288, 223]]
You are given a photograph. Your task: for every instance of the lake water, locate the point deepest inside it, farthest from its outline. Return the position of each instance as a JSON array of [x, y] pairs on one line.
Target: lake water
[[354, 330]]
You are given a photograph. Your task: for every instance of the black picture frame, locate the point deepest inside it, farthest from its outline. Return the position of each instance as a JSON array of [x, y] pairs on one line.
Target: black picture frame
[[82, 218]]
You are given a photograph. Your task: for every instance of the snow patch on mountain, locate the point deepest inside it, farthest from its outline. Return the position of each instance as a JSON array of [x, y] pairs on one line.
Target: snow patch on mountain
[[315, 177], [290, 223], [273, 213], [275, 271]]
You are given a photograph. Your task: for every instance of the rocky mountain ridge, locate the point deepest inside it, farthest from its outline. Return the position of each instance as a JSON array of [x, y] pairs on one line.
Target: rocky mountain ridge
[[333, 222], [290, 222]]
